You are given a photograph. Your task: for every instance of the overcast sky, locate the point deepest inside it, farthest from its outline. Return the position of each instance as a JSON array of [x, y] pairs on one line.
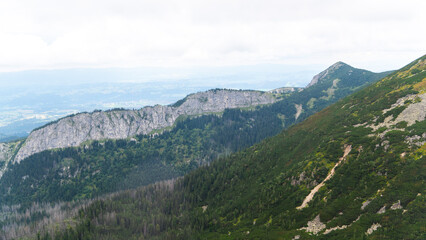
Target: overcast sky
[[50, 34]]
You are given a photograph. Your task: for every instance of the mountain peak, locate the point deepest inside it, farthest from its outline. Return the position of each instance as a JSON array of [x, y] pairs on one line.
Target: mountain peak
[[322, 75], [338, 64]]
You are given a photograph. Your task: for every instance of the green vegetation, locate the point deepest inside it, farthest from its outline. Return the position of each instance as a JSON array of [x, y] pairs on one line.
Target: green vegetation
[[253, 194], [101, 167]]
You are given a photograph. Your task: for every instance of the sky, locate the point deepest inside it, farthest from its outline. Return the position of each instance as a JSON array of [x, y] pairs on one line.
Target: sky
[[49, 34]]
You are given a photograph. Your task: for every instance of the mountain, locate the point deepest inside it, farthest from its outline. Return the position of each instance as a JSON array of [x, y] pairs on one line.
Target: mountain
[[324, 75], [140, 155], [78, 128], [341, 70], [74, 130], [101, 166], [355, 170], [30, 99]]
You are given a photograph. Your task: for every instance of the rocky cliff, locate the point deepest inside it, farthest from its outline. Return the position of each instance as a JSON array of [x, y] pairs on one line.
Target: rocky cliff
[[74, 130], [7, 150], [285, 90]]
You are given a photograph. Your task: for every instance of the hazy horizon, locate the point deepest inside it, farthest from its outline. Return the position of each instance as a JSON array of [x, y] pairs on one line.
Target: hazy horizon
[[35, 97]]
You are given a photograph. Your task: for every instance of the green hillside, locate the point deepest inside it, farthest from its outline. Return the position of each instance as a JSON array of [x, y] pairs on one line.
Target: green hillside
[[366, 152], [99, 167]]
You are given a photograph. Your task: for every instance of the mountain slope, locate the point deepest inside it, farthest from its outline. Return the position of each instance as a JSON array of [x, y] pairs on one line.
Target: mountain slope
[[338, 80], [97, 167], [7, 153], [367, 152]]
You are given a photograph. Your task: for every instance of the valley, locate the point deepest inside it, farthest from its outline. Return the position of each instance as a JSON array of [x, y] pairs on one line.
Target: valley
[[376, 192], [212, 120], [221, 149]]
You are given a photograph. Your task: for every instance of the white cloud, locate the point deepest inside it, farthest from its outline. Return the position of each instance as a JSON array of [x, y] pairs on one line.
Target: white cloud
[[49, 34]]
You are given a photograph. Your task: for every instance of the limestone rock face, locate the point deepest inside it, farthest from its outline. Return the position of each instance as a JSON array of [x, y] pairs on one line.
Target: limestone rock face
[[74, 130], [315, 226], [4, 150], [7, 151], [285, 90]]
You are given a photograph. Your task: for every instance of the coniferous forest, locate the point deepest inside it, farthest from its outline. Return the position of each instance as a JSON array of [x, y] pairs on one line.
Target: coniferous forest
[[222, 176], [99, 167], [212, 120], [255, 193]]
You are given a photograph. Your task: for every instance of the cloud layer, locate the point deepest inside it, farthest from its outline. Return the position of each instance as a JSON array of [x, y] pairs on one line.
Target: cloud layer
[[51, 34]]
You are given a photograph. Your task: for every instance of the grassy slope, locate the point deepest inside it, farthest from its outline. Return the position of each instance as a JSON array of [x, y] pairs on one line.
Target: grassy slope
[[250, 195]]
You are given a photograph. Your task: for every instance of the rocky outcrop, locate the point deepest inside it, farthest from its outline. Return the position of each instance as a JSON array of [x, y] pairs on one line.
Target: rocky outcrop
[[4, 151], [396, 205], [382, 210], [284, 90], [7, 150], [329, 230], [315, 226], [415, 111], [299, 109], [74, 130], [373, 228], [365, 204]]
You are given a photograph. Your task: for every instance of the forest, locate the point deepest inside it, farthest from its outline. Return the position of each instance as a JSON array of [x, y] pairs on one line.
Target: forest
[[100, 167], [251, 194]]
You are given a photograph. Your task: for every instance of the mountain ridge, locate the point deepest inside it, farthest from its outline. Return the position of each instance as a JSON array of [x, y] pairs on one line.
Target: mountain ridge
[[332, 69], [159, 116], [181, 147], [373, 184], [74, 130], [95, 167]]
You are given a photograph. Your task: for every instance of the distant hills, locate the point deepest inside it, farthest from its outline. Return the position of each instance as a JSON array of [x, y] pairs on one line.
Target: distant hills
[[31, 99]]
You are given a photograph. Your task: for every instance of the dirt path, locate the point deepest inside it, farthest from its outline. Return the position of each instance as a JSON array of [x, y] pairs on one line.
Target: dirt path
[[317, 187]]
